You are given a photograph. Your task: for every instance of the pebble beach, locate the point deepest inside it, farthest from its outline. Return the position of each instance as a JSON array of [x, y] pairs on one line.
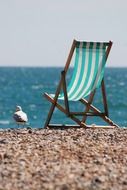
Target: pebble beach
[[63, 159]]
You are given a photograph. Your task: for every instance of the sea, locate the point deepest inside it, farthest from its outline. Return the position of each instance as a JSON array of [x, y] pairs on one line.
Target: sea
[[25, 86]]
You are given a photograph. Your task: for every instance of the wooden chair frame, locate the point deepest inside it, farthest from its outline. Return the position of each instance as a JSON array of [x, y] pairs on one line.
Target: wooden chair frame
[[90, 110]]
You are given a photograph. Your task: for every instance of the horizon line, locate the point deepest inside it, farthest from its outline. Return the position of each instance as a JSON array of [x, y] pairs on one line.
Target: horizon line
[[50, 66]]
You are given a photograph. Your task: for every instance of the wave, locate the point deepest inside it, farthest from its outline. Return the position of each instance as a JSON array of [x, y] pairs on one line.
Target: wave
[[4, 122]]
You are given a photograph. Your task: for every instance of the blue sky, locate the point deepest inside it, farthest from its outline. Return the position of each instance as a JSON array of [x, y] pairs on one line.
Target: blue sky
[[40, 32]]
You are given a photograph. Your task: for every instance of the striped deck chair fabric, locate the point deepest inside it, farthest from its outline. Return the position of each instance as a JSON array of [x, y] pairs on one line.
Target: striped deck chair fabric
[[88, 71]]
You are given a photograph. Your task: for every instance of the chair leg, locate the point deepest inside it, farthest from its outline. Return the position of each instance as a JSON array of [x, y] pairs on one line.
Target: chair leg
[[88, 106], [49, 115], [104, 98]]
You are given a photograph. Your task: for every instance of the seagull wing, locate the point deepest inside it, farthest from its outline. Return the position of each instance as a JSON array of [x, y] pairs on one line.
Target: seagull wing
[[17, 118], [20, 116]]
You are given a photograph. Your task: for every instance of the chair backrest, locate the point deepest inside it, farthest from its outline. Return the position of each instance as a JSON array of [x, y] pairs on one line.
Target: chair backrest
[[88, 71]]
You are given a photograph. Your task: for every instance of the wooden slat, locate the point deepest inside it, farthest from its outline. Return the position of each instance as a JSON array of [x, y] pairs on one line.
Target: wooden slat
[[70, 56], [65, 93], [87, 114]]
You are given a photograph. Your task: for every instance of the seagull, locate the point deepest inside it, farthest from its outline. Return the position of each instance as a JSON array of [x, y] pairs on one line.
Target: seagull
[[19, 116]]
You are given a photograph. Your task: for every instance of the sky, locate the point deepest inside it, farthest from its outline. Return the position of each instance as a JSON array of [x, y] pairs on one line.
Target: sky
[[40, 32]]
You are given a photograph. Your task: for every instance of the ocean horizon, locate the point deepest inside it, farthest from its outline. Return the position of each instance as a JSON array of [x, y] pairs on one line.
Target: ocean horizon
[[25, 86]]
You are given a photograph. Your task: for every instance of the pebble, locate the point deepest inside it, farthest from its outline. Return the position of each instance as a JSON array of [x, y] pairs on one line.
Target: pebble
[[63, 159]]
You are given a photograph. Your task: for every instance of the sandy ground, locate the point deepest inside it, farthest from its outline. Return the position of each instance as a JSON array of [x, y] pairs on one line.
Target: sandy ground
[[32, 159]]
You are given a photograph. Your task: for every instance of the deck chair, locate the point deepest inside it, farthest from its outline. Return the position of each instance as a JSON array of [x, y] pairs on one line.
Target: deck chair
[[88, 75]]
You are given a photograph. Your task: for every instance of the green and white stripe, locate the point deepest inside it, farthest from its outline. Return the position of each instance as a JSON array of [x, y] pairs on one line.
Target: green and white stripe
[[88, 70]]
